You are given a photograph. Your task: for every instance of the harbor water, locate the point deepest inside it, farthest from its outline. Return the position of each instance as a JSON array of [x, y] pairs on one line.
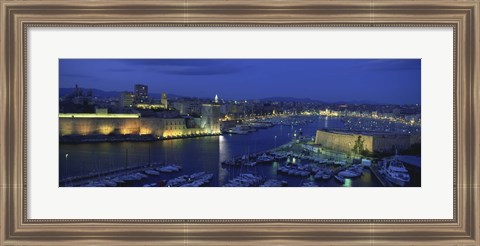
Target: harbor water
[[201, 154]]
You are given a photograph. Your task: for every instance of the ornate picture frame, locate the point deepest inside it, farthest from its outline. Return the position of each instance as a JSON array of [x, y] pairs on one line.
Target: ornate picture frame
[[17, 16]]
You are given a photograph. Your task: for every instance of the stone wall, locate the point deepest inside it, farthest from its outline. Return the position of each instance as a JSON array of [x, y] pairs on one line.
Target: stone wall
[[102, 126], [385, 143], [388, 143], [342, 141]]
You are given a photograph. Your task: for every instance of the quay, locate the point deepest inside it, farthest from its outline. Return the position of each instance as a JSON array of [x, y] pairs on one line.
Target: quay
[[76, 139], [380, 177]]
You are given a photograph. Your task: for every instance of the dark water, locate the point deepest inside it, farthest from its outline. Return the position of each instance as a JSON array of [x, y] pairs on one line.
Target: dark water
[[198, 154]]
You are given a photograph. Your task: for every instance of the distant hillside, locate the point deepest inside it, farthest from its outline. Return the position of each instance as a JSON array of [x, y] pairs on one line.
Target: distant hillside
[[359, 102], [110, 94], [291, 99], [96, 92], [309, 100]]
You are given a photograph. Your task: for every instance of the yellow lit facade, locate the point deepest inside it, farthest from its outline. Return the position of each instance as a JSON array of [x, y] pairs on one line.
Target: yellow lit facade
[[106, 129], [150, 106], [382, 143], [157, 127], [328, 112]]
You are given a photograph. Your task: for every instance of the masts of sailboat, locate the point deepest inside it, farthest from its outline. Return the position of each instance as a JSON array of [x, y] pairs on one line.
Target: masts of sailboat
[[149, 159], [126, 158]]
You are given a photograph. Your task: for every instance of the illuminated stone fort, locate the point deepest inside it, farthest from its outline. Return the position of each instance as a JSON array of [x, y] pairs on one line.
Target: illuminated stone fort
[[133, 124], [371, 141]]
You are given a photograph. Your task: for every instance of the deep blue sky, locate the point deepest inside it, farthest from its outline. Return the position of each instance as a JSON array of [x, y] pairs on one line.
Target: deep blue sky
[[395, 81]]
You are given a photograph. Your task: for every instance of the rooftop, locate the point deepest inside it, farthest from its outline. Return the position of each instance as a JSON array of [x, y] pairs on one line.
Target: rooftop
[[93, 115]]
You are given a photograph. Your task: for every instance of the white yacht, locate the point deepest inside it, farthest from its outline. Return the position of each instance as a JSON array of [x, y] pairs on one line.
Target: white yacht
[[280, 155], [169, 168], [260, 125], [140, 176], [152, 172], [366, 162], [351, 172], [396, 173], [237, 130], [264, 158]]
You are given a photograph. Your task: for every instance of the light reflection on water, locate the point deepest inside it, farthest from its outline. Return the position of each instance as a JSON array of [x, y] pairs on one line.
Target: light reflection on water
[[224, 155]]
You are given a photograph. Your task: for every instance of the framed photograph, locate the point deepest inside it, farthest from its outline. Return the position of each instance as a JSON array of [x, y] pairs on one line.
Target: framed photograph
[[240, 122], [281, 135]]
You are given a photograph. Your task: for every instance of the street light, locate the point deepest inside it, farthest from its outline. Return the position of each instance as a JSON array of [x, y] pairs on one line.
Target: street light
[[275, 141]]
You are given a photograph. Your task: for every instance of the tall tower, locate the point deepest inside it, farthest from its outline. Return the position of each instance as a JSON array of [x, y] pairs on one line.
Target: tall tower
[[216, 98], [141, 93], [164, 100], [211, 117], [126, 99]]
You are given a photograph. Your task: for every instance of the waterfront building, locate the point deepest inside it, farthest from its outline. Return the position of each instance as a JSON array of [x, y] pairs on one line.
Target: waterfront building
[[141, 93], [188, 107], [101, 111], [79, 97], [194, 108], [105, 124], [154, 106], [328, 112], [351, 142], [126, 99], [412, 119], [225, 108], [232, 110], [180, 106]]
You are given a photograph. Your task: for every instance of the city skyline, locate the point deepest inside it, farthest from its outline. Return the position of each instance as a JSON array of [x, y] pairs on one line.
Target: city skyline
[[382, 81]]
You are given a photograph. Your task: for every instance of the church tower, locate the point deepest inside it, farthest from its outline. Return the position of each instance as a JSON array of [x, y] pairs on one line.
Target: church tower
[[164, 100]]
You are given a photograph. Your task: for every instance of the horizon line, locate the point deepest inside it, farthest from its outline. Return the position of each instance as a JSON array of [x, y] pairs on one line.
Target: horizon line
[[265, 98]]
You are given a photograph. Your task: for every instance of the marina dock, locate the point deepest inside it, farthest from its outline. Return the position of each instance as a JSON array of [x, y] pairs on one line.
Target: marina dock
[[380, 177], [83, 179]]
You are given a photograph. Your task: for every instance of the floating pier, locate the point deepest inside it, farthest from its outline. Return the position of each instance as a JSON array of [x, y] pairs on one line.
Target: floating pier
[[380, 177]]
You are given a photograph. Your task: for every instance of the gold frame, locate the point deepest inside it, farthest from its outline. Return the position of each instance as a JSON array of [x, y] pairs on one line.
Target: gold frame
[[17, 16]]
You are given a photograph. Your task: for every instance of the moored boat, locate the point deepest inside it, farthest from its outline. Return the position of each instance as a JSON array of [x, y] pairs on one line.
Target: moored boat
[[152, 172], [250, 163], [310, 184], [264, 158], [238, 130], [396, 173], [326, 176], [169, 168]]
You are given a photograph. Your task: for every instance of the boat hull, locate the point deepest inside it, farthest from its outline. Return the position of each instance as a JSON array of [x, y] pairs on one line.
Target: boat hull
[[395, 181]]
